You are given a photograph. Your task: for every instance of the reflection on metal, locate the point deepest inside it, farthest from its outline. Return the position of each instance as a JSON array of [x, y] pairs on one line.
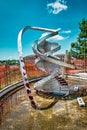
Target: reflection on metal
[[46, 61]]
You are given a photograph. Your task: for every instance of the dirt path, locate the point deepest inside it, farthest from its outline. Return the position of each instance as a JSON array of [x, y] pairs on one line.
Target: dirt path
[[64, 115]]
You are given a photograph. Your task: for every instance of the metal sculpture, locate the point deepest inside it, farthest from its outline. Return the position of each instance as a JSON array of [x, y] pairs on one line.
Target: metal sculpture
[[46, 61]]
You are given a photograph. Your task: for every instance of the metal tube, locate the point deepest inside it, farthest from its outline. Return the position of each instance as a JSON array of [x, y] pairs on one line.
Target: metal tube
[[39, 28], [22, 64]]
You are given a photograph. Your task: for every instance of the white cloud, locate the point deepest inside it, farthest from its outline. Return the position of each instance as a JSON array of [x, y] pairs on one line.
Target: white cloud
[[57, 6], [67, 31], [53, 38], [56, 38]]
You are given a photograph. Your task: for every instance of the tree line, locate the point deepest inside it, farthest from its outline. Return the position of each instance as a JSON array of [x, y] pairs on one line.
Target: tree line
[[9, 62]]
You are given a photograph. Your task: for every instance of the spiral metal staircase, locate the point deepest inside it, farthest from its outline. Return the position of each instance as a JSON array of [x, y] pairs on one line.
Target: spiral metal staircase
[[53, 84]]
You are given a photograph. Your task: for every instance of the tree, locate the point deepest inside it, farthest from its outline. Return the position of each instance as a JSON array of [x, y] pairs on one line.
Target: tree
[[82, 37], [75, 49], [79, 48]]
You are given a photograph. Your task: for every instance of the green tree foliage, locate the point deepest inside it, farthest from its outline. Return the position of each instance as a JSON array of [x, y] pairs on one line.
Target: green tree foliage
[[79, 48], [9, 62]]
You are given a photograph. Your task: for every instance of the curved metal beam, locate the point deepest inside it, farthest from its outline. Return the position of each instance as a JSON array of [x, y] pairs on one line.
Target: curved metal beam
[[22, 64]]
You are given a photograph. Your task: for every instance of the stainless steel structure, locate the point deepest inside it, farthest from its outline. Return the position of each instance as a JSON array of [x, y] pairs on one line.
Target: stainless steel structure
[[46, 61], [51, 64]]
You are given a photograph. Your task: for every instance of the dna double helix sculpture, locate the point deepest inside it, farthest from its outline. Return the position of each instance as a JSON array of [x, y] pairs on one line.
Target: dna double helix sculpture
[[53, 84]]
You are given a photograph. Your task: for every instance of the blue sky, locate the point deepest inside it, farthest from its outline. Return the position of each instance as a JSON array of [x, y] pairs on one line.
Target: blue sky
[[64, 15]]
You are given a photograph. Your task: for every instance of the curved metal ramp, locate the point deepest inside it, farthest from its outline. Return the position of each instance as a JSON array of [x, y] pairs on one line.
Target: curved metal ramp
[[46, 61], [51, 64]]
